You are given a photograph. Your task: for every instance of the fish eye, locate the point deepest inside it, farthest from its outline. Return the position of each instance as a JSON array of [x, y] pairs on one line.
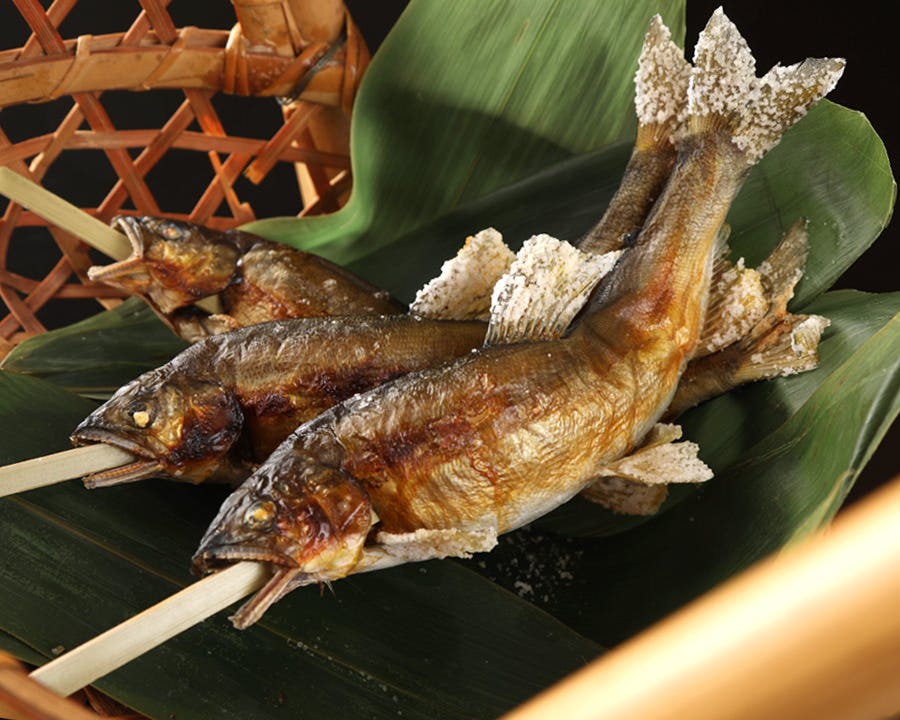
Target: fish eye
[[140, 414], [171, 232], [260, 515]]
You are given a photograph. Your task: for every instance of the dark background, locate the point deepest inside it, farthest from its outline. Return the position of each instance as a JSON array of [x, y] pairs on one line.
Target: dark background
[[864, 32]]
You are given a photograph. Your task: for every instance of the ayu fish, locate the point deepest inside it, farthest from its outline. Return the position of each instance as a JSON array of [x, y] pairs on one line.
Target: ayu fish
[[441, 461], [174, 264], [218, 385]]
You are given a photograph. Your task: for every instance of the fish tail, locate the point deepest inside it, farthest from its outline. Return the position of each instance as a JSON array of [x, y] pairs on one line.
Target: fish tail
[[725, 92], [660, 102], [661, 85]]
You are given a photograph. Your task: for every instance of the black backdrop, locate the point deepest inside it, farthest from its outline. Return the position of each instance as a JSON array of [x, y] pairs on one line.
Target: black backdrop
[[863, 31]]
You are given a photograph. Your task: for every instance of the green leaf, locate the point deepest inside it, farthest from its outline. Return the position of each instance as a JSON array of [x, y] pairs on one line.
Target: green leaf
[[431, 640], [36, 417], [473, 114], [98, 355], [467, 97]]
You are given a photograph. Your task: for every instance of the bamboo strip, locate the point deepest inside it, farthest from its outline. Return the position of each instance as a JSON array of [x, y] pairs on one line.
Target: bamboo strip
[[124, 642], [813, 633], [63, 214], [65, 465], [200, 64], [74, 220]]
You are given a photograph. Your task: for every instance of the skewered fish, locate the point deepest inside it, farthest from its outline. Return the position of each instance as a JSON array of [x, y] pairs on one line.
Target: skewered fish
[[440, 461]]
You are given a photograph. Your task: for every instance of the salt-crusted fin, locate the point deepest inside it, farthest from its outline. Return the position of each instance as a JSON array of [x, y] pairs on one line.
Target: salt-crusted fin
[[661, 84], [626, 496], [782, 270], [791, 347], [724, 89], [778, 346], [737, 301], [425, 544], [661, 104], [635, 484], [544, 289], [463, 289]]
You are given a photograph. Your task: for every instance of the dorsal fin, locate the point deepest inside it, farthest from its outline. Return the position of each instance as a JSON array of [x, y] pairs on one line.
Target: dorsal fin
[[544, 289], [463, 289]]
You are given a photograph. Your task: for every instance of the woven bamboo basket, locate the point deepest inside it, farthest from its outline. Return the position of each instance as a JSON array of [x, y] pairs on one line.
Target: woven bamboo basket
[[306, 55]]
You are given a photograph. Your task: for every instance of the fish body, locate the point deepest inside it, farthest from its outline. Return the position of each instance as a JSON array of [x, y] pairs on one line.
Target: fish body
[[220, 407], [501, 436], [174, 264]]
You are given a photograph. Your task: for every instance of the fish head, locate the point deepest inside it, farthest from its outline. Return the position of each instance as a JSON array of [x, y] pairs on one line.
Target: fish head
[[172, 263], [177, 427], [308, 523]]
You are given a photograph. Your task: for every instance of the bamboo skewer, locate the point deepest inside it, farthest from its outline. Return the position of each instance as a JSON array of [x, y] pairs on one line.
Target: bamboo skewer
[[117, 646], [72, 219], [812, 633], [65, 465], [123, 643], [63, 214]]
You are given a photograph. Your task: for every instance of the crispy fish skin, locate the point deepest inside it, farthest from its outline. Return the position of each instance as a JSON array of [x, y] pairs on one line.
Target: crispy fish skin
[[220, 407], [503, 435], [174, 264]]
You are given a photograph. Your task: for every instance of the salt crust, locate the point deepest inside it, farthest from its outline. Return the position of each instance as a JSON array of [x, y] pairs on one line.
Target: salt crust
[[794, 350], [424, 544], [545, 287], [724, 84], [636, 483], [463, 289], [661, 80], [660, 460], [737, 303]]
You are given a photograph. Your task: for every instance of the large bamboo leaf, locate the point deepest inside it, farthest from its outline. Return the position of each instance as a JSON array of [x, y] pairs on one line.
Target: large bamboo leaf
[[99, 354], [448, 138], [464, 98]]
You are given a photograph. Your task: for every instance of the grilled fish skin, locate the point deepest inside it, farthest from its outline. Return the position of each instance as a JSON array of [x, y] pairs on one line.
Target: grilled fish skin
[[174, 264], [501, 436], [220, 407]]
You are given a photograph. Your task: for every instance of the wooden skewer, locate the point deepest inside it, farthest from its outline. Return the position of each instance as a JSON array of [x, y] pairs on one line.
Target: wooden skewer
[[72, 219], [117, 646], [123, 643], [65, 465], [63, 214], [812, 633]]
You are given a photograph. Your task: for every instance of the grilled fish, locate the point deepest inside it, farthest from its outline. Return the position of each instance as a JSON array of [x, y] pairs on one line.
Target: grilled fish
[[174, 264], [441, 461], [219, 408]]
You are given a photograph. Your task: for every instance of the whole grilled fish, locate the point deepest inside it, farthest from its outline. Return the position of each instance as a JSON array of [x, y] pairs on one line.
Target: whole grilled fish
[[174, 264], [157, 416], [440, 461], [219, 408]]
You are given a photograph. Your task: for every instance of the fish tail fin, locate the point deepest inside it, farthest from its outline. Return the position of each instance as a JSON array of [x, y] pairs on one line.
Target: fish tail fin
[[661, 85], [725, 92]]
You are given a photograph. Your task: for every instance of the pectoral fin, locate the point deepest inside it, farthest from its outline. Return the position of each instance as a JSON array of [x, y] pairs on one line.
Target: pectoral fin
[[426, 544], [636, 484], [544, 289]]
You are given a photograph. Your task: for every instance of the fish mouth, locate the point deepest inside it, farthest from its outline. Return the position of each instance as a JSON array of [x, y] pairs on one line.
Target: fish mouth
[[144, 466], [286, 575], [131, 269]]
